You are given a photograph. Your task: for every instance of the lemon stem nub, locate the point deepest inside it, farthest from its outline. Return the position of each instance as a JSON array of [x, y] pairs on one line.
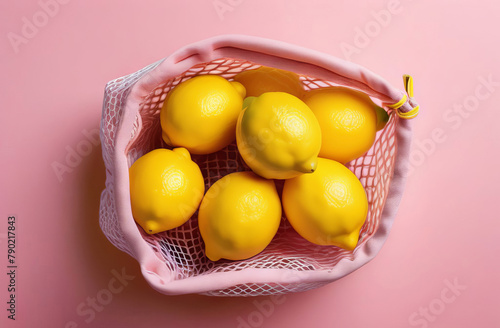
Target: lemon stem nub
[[239, 88], [314, 165], [183, 152], [308, 167], [211, 256], [151, 227], [350, 241]]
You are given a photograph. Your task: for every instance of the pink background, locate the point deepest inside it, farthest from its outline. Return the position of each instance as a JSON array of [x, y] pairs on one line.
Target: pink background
[[446, 231]]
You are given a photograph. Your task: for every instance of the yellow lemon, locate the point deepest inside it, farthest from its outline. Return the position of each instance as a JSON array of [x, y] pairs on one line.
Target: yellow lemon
[[200, 114], [270, 79], [327, 207], [166, 188], [278, 136], [382, 117], [239, 216], [348, 120]]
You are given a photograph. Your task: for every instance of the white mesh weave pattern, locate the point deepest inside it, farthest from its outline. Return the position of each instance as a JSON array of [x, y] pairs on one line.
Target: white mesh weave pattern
[[182, 249]]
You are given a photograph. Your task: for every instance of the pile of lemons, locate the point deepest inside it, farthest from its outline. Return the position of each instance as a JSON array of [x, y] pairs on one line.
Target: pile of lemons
[[282, 132]]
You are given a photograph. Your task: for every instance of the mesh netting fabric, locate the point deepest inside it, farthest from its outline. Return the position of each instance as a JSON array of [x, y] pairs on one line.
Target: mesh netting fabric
[[182, 249]]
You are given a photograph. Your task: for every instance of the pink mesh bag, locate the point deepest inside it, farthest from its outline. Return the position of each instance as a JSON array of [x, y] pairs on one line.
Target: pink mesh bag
[[173, 262]]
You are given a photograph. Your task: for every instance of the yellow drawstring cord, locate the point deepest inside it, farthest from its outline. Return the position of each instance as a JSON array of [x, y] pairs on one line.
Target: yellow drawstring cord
[[408, 81], [398, 104]]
